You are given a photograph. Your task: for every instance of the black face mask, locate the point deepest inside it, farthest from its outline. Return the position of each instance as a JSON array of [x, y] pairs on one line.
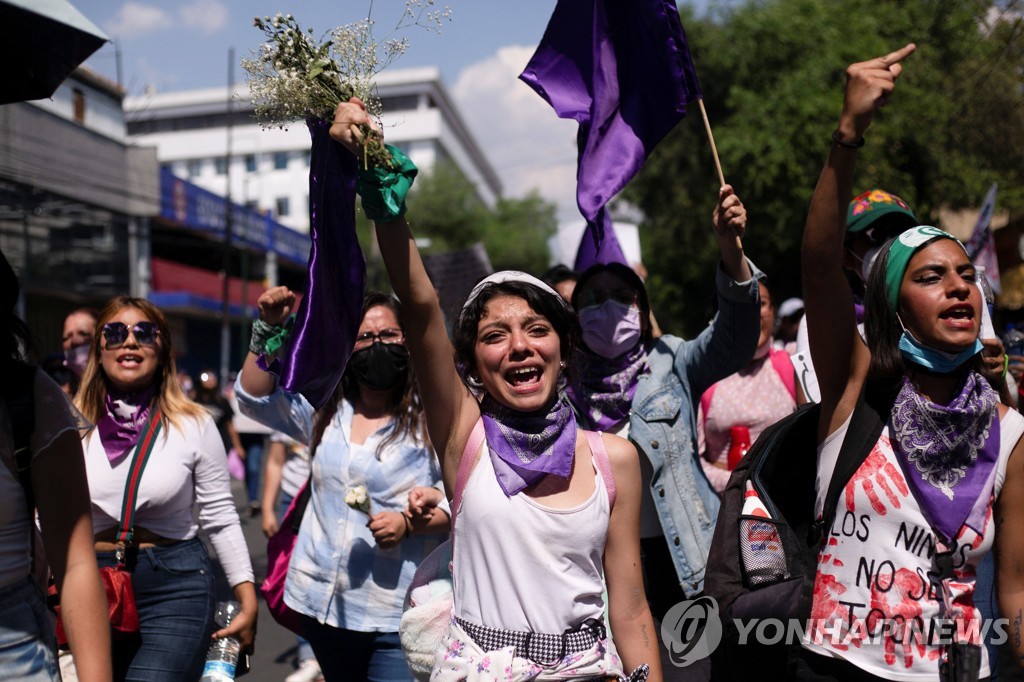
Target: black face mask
[[380, 367]]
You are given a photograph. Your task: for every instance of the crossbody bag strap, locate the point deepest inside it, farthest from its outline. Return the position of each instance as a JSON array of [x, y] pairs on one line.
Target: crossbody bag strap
[[602, 463], [866, 426], [143, 450]]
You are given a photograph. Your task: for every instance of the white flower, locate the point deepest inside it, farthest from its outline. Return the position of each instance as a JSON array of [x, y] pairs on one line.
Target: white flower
[[358, 498]]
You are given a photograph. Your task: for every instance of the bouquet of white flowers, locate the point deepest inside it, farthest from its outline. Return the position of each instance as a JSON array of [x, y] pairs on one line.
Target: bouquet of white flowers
[[295, 76]]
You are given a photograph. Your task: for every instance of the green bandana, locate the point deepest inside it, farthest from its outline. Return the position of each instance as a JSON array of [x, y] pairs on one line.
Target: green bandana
[[901, 250], [383, 191]]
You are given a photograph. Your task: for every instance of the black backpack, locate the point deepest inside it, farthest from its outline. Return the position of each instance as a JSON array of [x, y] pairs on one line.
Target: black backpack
[[751, 584]]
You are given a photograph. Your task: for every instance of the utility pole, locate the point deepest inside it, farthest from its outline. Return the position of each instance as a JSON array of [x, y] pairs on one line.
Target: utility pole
[[225, 313]]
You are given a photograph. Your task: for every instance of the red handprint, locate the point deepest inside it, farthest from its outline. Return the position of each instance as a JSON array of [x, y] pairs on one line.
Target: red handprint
[[874, 470], [898, 605], [827, 614]]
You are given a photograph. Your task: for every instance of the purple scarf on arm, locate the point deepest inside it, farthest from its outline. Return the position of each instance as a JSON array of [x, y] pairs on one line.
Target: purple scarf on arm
[[603, 394], [525, 446], [949, 453], [123, 420]]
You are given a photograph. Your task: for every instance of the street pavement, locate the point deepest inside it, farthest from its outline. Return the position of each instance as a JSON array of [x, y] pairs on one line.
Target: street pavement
[[274, 658]]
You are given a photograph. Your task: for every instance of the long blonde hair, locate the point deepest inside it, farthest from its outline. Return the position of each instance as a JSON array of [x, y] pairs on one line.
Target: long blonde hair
[[92, 393]]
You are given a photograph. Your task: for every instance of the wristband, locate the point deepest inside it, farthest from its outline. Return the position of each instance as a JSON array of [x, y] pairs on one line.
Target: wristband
[[408, 526], [1006, 364], [268, 338], [846, 145], [383, 191]]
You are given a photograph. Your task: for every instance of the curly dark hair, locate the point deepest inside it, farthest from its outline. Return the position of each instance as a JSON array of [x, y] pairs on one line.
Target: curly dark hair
[[561, 317]]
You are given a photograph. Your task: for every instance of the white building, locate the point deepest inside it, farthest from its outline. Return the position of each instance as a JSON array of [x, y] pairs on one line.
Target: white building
[[269, 168]]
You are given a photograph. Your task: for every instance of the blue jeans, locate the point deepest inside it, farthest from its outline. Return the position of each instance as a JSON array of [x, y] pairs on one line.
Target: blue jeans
[[254, 446], [351, 655], [28, 651], [174, 594]]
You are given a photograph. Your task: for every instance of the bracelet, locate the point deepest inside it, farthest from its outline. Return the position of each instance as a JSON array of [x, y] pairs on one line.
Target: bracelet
[[1006, 364], [383, 191], [267, 338], [846, 145], [408, 526]]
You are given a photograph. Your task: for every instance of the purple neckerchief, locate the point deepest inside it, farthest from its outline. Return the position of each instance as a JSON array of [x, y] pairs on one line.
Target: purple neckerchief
[[525, 446], [123, 420], [949, 453], [604, 392]]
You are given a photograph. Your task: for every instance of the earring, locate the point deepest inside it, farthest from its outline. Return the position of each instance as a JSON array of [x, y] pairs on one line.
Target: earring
[[562, 364]]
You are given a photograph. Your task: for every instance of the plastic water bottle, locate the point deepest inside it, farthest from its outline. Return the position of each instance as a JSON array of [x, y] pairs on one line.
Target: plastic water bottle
[[1013, 341], [222, 656]]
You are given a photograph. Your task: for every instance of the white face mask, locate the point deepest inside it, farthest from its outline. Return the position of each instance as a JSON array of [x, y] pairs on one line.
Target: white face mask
[[868, 261], [76, 358]]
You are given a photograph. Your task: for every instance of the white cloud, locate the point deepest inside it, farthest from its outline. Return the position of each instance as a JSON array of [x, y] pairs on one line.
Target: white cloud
[[135, 20], [206, 15], [529, 146]]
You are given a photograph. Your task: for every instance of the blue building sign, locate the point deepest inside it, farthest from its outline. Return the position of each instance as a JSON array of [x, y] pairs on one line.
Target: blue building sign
[[198, 209]]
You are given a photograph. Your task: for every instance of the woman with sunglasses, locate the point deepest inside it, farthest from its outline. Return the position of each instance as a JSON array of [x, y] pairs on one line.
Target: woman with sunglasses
[[357, 548], [947, 469], [548, 514], [130, 381]]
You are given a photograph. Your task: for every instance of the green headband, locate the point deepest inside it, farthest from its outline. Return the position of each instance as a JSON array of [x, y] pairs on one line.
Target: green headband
[[901, 250]]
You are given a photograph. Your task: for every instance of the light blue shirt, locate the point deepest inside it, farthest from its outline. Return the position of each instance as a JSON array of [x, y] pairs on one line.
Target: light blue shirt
[[337, 574]]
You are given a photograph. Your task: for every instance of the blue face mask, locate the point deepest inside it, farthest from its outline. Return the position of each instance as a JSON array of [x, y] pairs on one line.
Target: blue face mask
[[932, 359]]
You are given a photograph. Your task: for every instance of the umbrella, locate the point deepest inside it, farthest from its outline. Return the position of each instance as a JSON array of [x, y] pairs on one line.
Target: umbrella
[[47, 40]]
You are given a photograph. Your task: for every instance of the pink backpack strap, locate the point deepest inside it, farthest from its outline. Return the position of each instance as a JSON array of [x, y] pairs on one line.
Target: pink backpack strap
[[705, 403], [603, 464], [784, 368], [476, 438]]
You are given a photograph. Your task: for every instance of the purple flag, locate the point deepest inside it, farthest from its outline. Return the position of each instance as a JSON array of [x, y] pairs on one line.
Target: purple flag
[[330, 312], [591, 252], [624, 72]]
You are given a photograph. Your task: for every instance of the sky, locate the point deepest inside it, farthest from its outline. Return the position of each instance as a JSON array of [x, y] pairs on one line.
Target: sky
[[171, 45]]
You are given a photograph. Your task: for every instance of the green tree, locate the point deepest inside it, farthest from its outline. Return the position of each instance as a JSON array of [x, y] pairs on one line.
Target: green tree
[[516, 236], [446, 214], [772, 73]]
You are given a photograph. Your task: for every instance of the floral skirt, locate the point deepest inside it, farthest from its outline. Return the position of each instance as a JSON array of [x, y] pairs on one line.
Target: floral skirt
[[461, 658]]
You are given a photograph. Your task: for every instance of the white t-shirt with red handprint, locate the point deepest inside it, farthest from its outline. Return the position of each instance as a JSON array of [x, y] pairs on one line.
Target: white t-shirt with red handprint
[[876, 598]]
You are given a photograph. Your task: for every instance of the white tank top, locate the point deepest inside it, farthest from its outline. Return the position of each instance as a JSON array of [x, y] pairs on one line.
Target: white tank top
[[876, 565], [522, 566]]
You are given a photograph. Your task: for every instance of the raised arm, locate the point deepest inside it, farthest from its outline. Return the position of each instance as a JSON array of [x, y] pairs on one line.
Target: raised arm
[[840, 358], [451, 410], [275, 305], [730, 222]]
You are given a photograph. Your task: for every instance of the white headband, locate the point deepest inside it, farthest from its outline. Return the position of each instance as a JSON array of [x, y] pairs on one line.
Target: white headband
[[511, 276]]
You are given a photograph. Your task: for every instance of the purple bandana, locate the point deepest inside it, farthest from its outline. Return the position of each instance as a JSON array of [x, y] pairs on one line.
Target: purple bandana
[[604, 393], [949, 453], [121, 425], [525, 446]]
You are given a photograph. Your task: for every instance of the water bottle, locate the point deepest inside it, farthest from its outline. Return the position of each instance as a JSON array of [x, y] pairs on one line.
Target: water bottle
[[222, 656], [1013, 341]]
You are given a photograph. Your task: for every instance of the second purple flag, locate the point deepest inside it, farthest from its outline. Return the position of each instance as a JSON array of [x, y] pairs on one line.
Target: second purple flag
[[623, 71]]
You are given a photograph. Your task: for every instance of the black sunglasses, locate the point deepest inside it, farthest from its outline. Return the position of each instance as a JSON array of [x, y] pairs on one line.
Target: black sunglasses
[[116, 333]]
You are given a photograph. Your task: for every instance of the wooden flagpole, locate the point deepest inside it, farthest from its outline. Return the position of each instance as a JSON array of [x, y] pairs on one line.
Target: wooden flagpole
[[714, 153]]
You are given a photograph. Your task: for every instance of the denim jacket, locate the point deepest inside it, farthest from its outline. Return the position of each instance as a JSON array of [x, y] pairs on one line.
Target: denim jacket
[[663, 421]]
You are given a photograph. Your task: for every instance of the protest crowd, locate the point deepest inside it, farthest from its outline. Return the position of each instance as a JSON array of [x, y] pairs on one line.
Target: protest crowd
[[850, 460]]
